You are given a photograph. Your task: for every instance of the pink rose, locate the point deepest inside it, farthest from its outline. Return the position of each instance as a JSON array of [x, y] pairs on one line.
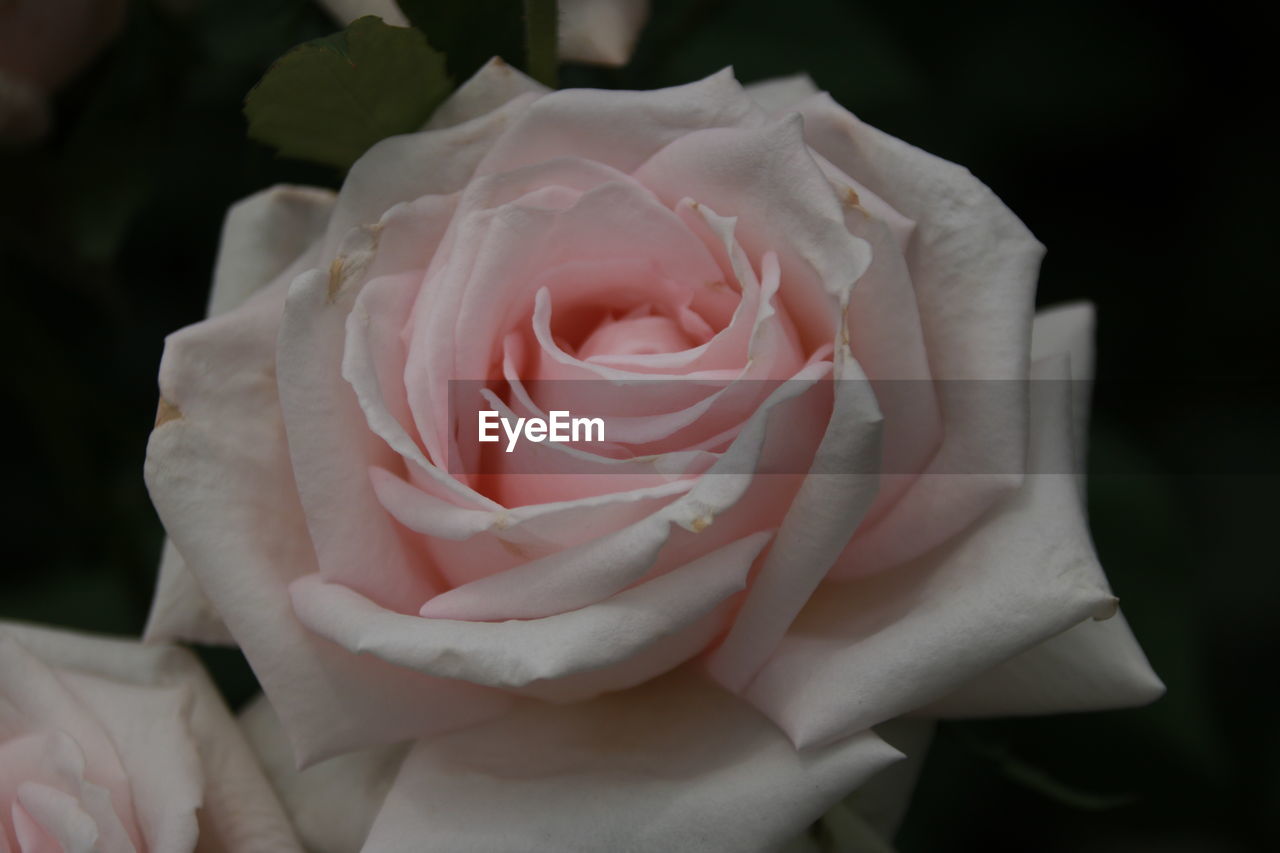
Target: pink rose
[[113, 747], [657, 627]]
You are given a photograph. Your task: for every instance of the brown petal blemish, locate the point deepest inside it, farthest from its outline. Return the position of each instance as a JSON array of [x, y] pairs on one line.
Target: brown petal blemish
[[166, 412], [335, 279]]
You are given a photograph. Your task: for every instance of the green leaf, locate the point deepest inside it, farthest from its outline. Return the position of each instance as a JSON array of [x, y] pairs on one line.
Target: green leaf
[[470, 33], [328, 100]]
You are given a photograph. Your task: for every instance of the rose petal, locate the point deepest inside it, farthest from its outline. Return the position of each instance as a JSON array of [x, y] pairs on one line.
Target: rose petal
[[179, 608], [600, 32], [601, 567], [868, 650], [43, 699], [516, 654], [1095, 665], [674, 765], [495, 84], [239, 812], [332, 804], [221, 480], [731, 169], [973, 265], [1068, 330], [406, 167], [777, 95], [818, 524], [148, 726], [263, 239], [47, 820], [331, 448], [602, 125], [263, 235]]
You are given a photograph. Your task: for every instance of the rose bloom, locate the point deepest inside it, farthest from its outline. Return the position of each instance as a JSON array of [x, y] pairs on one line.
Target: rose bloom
[[643, 651], [113, 747]]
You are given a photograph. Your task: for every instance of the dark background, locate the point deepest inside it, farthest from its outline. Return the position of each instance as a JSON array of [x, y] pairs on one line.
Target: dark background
[[1130, 137]]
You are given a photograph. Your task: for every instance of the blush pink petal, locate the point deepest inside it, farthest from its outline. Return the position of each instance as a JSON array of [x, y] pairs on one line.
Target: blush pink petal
[[221, 478], [731, 170], [37, 695], [491, 253], [148, 725], [406, 167], [534, 653], [176, 740], [331, 448], [47, 820], [602, 567]]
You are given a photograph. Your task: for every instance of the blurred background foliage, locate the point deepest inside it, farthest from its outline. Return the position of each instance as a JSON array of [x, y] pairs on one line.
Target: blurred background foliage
[[1129, 136]]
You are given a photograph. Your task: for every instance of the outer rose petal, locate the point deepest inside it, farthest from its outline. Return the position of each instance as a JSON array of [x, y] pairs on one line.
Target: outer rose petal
[[492, 86], [643, 631], [779, 95], [219, 474], [332, 804], [1095, 665], [600, 32], [262, 237], [871, 649], [973, 265], [600, 125], [136, 690], [676, 764]]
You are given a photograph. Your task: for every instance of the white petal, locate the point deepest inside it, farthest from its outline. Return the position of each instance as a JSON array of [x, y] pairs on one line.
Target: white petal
[[1095, 665], [973, 265], [824, 514], [220, 476], [493, 85], [600, 32], [179, 608], [869, 650], [601, 125], [777, 95], [1068, 330], [674, 765], [406, 167], [331, 804], [263, 238]]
